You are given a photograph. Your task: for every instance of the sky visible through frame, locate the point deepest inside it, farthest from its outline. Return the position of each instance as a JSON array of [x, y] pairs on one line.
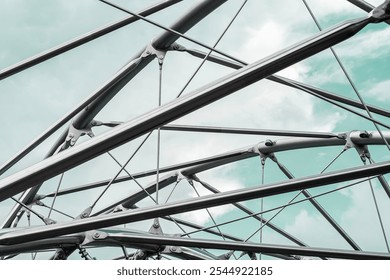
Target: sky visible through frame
[[34, 99]]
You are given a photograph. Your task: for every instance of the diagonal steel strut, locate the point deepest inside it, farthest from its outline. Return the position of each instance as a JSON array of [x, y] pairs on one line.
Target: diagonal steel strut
[[179, 107], [48, 231]]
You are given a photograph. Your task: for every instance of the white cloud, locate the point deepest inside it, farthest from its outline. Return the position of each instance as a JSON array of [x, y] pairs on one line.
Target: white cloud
[[380, 91], [315, 231]]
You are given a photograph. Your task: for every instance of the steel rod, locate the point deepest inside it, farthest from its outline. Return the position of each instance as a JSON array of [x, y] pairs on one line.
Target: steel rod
[[48, 231], [246, 131], [291, 83], [322, 210], [25, 64], [243, 246]]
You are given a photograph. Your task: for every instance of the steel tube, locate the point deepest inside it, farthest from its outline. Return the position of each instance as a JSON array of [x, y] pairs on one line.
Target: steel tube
[[48, 231], [82, 40]]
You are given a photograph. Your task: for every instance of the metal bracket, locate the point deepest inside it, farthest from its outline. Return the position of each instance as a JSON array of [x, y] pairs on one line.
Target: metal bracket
[[74, 134], [156, 228], [151, 50], [85, 213], [361, 149], [177, 47], [264, 156], [172, 249]]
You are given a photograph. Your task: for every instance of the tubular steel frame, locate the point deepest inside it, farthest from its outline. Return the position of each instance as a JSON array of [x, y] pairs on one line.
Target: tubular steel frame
[[93, 228]]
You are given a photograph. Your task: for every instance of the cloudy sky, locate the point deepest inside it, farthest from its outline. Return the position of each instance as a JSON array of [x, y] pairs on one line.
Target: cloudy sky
[[34, 99]]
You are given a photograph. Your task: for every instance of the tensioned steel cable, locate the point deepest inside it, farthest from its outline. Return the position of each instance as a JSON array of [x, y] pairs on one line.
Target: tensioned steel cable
[[172, 31], [378, 213], [214, 46], [55, 195], [300, 192], [292, 200], [348, 76], [118, 173], [209, 213], [29, 209], [285, 205]]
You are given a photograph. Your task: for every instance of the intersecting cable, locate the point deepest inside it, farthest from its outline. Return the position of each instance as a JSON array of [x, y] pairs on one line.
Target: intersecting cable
[[378, 212], [339, 105], [56, 210], [383, 182], [300, 192], [29, 209], [323, 212], [121, 169], [282, 206], [292, 200], [166, 201], [172, 31], [55, 195], [348, 77], [214, 46], [208, 211]]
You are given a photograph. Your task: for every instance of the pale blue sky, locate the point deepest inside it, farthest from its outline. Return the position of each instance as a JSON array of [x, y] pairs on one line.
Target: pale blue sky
[[32, 100]]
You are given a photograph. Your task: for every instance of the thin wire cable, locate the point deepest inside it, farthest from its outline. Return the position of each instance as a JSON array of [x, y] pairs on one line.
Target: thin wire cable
[[55, 195], [379, 214], [29, 209], [285, 205], [58, 211], [301, 191], [214, 46], [333, 161], [121, 169], [348, 76], [339, 105], [172, 31], [160, 68]]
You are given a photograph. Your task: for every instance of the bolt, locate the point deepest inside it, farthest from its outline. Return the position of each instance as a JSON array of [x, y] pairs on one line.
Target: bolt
[[269, 143], [96, 235], [84, 215], [156, 225], [173, 249]]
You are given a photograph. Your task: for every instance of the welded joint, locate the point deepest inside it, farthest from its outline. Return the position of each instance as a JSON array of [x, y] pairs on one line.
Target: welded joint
[[94, 235], [380, 13], [264, 155], [151, 50], [361, 149], [156, 228], [172, 249], [180, 176], [85, 214], [177, 47], [74, 134]]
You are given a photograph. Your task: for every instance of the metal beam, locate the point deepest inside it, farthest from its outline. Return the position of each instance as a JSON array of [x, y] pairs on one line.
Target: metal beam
[[291, 83], [177, 108], [322, 210], [251, 213], [241, 246], [196, 166], [49, 231], [246, 131], [112, 87], [25, 64]]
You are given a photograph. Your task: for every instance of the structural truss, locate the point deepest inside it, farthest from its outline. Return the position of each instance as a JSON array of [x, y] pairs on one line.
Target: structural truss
[[158, 184]]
